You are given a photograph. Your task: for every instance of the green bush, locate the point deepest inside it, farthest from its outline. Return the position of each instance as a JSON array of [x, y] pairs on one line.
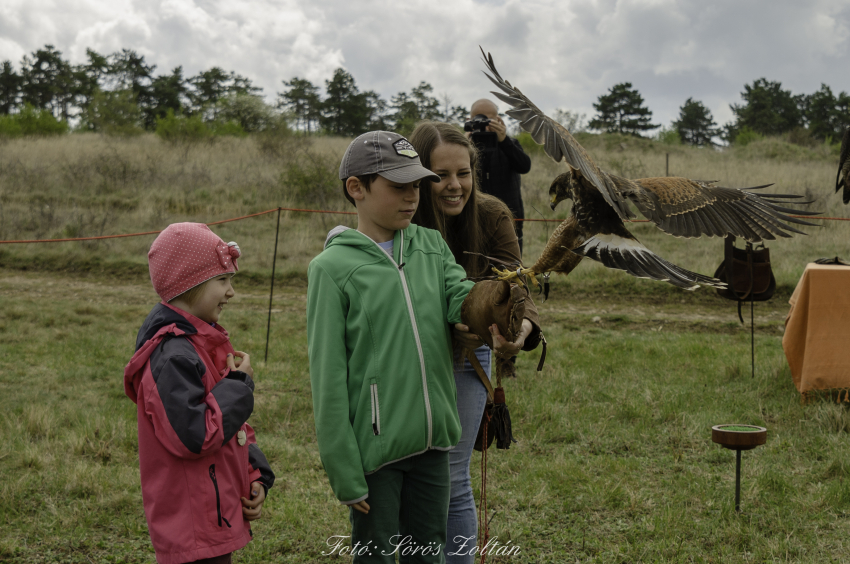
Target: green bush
[[746, 136], [313, 179], [113, 113], [668, 136], [232, 128], [529, 145], [249, 111], [31, 121], [182, 129], [9, 127]]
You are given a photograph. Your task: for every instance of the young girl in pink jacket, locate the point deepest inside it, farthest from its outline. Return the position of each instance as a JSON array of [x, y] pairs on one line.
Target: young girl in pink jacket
[[203, 476]]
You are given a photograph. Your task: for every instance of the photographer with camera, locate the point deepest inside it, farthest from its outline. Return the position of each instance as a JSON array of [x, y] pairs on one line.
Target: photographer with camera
[[502, 158]]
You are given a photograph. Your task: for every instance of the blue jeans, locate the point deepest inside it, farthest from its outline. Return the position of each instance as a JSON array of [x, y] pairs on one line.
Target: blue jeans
[[462, 526]]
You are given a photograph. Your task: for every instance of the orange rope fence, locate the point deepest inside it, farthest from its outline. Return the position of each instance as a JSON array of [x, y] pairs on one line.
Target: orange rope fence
[[308, 211]]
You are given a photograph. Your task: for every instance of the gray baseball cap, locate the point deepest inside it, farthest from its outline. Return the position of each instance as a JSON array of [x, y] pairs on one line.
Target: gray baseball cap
[[385, 153]]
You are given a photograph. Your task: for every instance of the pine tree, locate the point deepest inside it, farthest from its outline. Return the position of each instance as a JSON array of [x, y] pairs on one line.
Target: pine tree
[[695, 125], [767, 109], [10, 88], [167, 92], [823, 117], [301, 99], [210, 87], [345, 111], [414, 107], [622, 111], [47, 81]]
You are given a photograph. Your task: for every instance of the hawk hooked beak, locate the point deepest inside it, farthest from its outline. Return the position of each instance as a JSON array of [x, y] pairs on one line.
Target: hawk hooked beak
[[560, 189]]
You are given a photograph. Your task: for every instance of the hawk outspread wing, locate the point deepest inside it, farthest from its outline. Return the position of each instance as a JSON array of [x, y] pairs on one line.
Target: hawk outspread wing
[[693, 208], [678, 206], [557, 141]]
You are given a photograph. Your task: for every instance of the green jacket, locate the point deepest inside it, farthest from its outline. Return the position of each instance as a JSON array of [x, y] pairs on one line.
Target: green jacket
[[379, 339]]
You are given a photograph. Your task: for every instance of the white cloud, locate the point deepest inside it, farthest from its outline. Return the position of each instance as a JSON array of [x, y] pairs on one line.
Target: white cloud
[[561, 54]]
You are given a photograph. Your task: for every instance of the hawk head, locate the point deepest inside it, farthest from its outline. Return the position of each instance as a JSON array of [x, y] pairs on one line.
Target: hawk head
[[561, 187]]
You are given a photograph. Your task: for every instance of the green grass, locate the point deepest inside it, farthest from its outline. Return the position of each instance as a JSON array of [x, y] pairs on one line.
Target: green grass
[[614, 461]]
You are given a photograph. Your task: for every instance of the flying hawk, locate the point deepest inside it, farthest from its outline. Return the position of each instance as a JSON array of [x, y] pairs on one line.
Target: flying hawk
[[844, 166], [678, 206]]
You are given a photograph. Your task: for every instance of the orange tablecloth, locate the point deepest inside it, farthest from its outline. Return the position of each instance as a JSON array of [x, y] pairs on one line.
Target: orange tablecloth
[[817, 330]]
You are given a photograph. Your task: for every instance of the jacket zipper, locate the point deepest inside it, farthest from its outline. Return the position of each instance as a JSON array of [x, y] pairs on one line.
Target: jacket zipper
[[217, 498], [415, 332], [376, 411]]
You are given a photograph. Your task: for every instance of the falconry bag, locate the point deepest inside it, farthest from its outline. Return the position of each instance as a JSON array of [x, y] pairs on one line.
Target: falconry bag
[[498, 302], [747, 274]]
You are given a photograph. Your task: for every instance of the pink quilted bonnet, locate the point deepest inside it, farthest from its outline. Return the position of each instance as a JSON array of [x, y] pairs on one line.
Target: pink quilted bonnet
[[187, 254]]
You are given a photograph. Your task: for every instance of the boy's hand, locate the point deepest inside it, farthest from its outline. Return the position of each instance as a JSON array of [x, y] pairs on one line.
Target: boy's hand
[[466, 339], [361, 506], [253, 508], [242, 362]]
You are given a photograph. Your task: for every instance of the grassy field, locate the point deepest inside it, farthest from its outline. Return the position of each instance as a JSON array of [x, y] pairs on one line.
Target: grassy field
[[87, 185], [614, 461]]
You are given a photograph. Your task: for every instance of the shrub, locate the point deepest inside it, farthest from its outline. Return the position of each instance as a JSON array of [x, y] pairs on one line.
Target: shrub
[[278, 142], [182, 129], [668, 136], [232, 128], [31, 121], [249, 111], [113, 113], [313, 179], [40, 122], [803, 137], [9, 127], [746, 136], [529, 145]]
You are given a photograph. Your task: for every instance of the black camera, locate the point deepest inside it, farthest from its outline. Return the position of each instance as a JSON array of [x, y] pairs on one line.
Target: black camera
[[478, 123]]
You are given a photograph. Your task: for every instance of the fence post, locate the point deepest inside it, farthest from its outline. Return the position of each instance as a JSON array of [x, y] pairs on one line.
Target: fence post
[[271, 290]]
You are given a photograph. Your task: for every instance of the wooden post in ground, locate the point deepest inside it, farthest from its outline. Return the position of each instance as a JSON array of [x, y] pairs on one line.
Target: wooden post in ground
[[271, 290]]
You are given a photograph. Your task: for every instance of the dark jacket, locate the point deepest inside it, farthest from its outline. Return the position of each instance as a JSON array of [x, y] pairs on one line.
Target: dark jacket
[[501, 243], [192, 412], [500, 170]]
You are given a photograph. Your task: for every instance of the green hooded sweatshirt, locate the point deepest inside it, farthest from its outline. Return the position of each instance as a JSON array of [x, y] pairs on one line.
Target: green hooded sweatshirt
[[379, 340]]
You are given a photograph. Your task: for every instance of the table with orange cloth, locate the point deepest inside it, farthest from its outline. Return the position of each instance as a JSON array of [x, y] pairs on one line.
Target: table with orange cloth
[[817, 330]]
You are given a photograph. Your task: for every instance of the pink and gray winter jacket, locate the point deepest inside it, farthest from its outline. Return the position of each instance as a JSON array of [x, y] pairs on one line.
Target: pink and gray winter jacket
[[191, 409]]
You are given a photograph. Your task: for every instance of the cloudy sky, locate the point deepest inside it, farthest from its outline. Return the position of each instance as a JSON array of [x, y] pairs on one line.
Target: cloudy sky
[[561, 53]]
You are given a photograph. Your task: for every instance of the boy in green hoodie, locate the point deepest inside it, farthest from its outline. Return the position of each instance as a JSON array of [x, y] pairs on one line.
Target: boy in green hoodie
[[381, 303]]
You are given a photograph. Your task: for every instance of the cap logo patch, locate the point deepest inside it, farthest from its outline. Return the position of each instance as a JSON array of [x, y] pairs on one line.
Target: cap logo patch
[[403, 147]]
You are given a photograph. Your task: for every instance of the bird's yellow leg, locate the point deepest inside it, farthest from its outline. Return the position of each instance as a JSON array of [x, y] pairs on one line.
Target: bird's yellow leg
[[509, 275]]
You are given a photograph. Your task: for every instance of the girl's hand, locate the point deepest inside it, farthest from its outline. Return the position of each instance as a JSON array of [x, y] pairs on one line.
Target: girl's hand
[[253, 508], [503, 348], [242, 362], [467, 340]]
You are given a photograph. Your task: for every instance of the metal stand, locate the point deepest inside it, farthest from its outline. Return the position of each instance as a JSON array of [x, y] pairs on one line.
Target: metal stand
[[737, 481], [271, 291], [752, 336]]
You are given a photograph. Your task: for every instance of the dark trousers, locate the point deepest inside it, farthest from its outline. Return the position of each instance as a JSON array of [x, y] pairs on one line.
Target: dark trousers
[[223, 559], [409, 505]]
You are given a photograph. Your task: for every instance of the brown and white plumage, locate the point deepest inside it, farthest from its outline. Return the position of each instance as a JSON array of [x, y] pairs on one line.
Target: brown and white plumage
[[844, 167], [678, 206]]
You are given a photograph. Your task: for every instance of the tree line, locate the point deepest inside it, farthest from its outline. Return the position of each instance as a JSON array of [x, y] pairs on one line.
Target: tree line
[[120, 93], [767, 109]]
